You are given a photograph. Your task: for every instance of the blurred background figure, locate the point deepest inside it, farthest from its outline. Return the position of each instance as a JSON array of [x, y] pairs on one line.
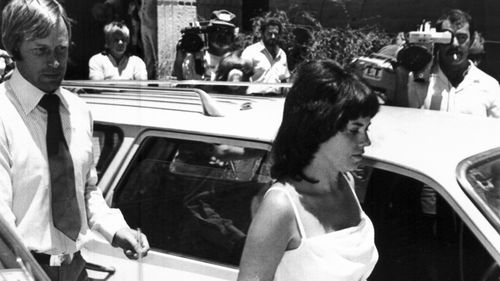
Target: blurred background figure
[[202, 46], [114, 62], [233, 68], [6, 65], [476, 51], [392, 49], [142, 17], [148, 29]]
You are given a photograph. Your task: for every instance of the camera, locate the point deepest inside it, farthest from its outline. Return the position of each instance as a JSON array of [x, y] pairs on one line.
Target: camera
[[194, 37], [418, 51]]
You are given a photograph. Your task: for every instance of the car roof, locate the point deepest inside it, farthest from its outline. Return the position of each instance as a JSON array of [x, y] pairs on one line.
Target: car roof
[[421, 140], [429, 141], [244, 117]]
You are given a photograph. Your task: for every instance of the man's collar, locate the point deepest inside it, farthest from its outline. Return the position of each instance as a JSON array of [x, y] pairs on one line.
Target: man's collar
[[28, 95], [107, 53], [264, 49], [439, 71]]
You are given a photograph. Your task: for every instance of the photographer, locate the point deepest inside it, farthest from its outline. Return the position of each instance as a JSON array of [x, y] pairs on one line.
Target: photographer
[[202, 46], [452, 83]]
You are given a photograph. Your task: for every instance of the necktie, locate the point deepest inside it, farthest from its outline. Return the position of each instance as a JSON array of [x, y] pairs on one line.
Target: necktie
[[65, 213]]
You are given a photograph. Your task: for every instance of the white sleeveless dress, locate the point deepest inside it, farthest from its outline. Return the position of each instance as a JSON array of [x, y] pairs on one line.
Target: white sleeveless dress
[[344, 255]]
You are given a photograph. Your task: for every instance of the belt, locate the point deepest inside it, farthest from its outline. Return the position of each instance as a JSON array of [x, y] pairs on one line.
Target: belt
[[53, 260]]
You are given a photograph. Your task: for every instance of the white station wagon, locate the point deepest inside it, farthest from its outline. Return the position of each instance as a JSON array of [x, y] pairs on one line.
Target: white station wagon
[[187, 168]]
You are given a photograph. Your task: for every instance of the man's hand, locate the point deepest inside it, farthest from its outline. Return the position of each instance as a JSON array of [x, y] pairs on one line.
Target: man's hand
[[128, 239]]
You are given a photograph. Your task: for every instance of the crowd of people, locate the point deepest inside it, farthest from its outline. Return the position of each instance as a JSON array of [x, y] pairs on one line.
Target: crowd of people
[[48, 190]]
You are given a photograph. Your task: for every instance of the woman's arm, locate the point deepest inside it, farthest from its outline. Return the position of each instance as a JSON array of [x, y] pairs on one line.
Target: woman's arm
[[268, 237]]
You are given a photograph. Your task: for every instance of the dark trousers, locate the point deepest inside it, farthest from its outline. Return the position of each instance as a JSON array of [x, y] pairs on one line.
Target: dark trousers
[[73, 271]]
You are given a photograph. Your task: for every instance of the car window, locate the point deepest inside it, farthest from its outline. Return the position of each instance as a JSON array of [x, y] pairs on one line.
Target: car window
[[106, 141], [479, 176], [193, 198], [418, 238]]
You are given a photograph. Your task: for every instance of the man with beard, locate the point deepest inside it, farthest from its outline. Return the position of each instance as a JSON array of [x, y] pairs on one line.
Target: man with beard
[[193, 60], [268, 59], [455, 84], [114, 63]]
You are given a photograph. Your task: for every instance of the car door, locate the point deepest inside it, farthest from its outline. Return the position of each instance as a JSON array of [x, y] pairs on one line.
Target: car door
[[16, 263], [418, 240], [193, 196]]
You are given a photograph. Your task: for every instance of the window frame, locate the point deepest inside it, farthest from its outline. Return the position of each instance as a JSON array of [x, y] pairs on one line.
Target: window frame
[[462, 171], [107, 129], [135, 150]]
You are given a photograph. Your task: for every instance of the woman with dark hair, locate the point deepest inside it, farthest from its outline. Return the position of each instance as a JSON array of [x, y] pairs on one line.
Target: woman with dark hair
[[310, 225]]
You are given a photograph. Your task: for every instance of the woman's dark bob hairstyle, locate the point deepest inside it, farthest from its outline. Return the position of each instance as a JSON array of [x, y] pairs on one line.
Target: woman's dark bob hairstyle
[[322, 100]]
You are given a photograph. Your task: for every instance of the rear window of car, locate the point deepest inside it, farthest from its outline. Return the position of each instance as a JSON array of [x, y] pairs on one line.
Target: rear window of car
[[106, 142], [479, 176], [193, 198]]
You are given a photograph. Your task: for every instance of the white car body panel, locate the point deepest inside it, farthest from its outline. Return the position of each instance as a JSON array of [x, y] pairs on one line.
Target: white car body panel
[[425, 145]]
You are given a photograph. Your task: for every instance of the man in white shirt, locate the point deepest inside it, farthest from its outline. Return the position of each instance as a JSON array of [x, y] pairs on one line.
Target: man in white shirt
[[114, 63], [32, 148], [268, 59], [455, 84]]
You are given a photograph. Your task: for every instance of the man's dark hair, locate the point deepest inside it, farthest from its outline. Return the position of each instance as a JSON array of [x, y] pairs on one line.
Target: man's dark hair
[[270, 22], [323, 99], [457, 18]]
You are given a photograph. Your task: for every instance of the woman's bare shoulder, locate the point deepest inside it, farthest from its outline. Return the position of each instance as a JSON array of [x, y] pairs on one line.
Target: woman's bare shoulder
[[277, 199]]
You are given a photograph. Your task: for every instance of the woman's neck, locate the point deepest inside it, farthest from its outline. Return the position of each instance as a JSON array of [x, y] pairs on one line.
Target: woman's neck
[[328, 177]]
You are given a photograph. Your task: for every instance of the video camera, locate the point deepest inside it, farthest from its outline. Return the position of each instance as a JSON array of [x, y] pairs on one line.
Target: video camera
[[418, 51], [195, 37], [378, 69]]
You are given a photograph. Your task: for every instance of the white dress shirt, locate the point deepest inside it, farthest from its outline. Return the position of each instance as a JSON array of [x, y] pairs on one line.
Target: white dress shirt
[[478, 94], [266, 68], [24, 171]]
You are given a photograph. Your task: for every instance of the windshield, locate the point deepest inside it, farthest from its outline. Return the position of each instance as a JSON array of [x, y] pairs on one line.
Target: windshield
[[479, 176]]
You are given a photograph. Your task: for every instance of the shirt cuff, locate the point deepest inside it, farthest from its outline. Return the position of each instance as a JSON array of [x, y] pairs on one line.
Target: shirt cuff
[[111, 226]]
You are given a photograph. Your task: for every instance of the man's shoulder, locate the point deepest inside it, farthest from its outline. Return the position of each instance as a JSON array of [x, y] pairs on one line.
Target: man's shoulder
[[74, 101], [281, 53], [135, 58], [257, 46], [480, 76], [99, 57]]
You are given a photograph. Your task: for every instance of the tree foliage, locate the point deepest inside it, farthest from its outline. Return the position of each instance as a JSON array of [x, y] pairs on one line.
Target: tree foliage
[[303, 38]]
